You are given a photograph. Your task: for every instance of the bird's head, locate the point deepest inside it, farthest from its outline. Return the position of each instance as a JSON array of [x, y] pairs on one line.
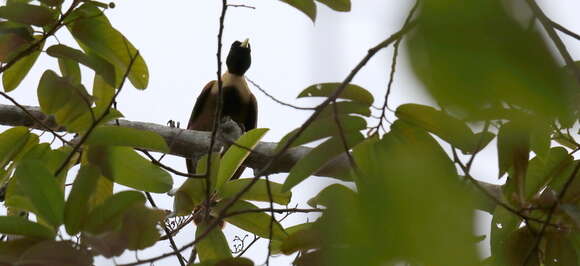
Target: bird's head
[[239, 59]]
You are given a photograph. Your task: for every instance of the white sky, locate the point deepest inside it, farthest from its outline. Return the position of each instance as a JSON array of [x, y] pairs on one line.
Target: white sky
[[178, 41]]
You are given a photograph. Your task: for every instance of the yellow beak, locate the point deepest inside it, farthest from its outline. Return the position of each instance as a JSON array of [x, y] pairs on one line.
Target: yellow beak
[[246, 43]]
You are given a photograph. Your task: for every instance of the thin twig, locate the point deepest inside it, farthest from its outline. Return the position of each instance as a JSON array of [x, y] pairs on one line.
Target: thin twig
[[171, 241], [168, 168], [276, 100], [98, 121], [273, 210], [392, 72], [343, 138], [218, 108], [549, 27], [244, 6], [565, 30]]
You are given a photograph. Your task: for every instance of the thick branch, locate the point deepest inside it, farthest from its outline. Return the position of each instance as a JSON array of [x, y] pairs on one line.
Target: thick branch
[[184, 143]]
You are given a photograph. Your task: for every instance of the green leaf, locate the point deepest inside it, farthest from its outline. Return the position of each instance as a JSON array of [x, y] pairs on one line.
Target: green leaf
[[140, 227], [70, 70], [27, 14], [542, 170], [213, 246], [102, 91], [351, 92], [129, 137], [56, 94], [40, 186], [109, 214], [100, 66], [463, 72], [331, 192], [97, 34], [235, 156], [317, 157], [215, 164], [503, 224], [183, 204], [450, 129], [338, 5], [124, 166], [324, 128], [258, 192], [344, 108], [301, 240], [14, 225], [306, 6], [254, 222], [16, 73], [11, 143], [276, 245], [76, 208], [513, 146], [540, 139]]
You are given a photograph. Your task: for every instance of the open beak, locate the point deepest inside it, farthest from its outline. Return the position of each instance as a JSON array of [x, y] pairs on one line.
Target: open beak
[[246, 43]]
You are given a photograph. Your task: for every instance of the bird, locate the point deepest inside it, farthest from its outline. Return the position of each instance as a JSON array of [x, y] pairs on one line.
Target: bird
[[238, 102]]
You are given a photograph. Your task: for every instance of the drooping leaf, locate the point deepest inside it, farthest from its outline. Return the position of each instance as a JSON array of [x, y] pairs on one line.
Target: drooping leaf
[[14, 225], [326, 195], [70, 70], [102, 91], [140, 227], [351, 92], [97, 34], [100, 66], [58, 94], [540, 139], [124, 166], [76, 208], [128, 137], [12, 77], [301, 240], [27, 14], [276, 245], [82, 123], [235, 156], [513, 145], [214, 246], [316, 158], [11, 143], [439, 123], [306, 6], [338, 5], [255, 222], [40, 186], [258, 192], [109, 214], [325, 127]]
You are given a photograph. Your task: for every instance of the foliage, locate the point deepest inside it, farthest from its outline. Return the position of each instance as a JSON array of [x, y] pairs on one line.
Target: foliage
[[411, 199]]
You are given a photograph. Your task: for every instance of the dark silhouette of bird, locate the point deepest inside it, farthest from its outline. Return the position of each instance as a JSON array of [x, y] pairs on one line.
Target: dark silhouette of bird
[[238, 102]]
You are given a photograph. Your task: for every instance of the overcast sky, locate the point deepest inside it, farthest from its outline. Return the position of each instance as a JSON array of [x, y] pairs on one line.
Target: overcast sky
[[178, 40]]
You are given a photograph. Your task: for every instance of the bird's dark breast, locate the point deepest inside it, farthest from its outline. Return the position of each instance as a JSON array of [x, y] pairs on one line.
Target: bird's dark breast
[[234, 105]]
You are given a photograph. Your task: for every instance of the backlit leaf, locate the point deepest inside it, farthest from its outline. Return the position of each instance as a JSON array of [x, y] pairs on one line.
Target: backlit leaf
[[107, 215], [214, 246], [128, 137], [76, 208], [254, 222], [12, 77], [27, 14], [235, 156], [258, 192], [338, 5], [351, 92], [14, 225], [306, 6]]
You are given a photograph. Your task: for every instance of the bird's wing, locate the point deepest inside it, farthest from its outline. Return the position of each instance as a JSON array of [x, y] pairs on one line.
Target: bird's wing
[[199, 103], [252, 118]]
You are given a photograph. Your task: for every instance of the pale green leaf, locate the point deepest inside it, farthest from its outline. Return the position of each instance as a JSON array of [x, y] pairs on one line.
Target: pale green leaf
[[235, 155], [107, 215], [254, 222], [258, 192], [27, 14], [14, 225], [76, 207], [351, 92], [129, 137], [213, 246]]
